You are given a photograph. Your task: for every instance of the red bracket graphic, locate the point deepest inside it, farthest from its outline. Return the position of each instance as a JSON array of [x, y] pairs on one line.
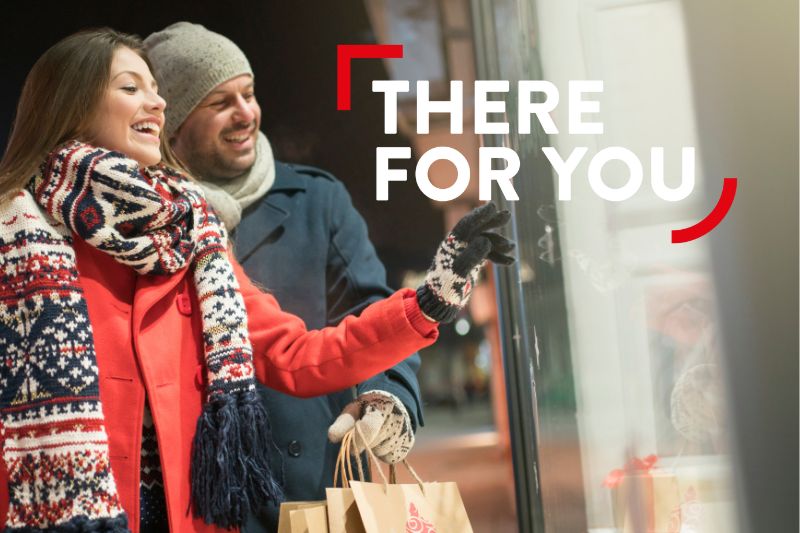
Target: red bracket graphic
[[713, 218], [346, 52]]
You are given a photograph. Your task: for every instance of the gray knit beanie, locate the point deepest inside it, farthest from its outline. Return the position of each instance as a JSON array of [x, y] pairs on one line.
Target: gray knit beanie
[[188, 62]]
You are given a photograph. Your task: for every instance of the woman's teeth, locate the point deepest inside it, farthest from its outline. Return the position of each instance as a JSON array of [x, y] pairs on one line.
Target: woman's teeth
[[147, 127]]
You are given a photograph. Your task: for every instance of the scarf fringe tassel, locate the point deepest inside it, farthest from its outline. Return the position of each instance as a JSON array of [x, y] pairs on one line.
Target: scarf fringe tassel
[[230, 473]]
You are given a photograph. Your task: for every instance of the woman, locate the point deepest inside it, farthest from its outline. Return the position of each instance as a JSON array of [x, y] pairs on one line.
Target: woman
[[118, 293]]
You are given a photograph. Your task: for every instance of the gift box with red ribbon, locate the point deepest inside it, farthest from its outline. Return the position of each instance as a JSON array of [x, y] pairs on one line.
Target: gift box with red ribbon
[[645, 498]]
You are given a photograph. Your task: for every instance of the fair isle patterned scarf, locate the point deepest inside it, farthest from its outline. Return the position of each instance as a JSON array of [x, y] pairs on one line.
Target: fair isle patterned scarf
[[56, 449]]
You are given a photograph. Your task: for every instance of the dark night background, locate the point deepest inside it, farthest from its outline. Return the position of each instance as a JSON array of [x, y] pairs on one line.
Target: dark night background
[[292, 49]]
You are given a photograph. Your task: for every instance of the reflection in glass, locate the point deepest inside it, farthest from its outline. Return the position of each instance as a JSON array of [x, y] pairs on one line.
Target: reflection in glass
[[628, 429]]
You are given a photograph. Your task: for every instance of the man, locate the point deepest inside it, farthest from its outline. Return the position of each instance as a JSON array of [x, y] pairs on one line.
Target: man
[[297, 234]]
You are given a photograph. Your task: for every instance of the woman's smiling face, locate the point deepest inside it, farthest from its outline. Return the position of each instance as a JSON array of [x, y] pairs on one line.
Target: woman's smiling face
[[131, 115]]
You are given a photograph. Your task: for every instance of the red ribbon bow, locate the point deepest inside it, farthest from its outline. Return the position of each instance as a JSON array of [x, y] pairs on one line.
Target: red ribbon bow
[[635, 465]]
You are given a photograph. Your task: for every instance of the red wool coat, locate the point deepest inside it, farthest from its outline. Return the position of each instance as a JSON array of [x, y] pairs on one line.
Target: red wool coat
[[147, 333]]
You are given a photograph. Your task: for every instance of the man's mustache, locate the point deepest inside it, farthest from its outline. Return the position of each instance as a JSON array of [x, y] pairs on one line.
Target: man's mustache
[[239, 128]]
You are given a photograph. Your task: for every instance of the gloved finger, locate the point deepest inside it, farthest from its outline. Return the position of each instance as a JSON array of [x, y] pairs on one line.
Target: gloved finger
[[395, 441], [393, 457], [501, 259], [500, 244], [471, 256], [367, 429], [344, 422], [340, 427], [500, 218], [391, 452], [471, 224], [400, 440]]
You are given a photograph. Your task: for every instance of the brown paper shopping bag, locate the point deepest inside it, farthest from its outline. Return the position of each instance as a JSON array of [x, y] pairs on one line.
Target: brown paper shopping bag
[[309, 519], [284, 518], [393, 508], [343, 514], [409, 508], [449, 513]]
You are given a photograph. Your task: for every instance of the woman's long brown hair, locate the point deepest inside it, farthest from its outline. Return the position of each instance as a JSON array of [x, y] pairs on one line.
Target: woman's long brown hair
[[59, 99]]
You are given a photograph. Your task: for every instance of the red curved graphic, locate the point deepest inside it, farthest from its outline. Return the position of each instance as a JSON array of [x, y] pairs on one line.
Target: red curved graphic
[[713, 218], [346, 52]]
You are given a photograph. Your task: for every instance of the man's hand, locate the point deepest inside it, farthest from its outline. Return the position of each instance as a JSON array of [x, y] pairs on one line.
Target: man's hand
[[383, 423]]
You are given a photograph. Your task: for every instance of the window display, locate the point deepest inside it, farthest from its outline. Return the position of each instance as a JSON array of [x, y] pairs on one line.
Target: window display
[[627, 424]]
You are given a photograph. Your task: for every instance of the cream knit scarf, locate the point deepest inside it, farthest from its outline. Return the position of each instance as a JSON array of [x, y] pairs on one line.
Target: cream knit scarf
[[229, 197]]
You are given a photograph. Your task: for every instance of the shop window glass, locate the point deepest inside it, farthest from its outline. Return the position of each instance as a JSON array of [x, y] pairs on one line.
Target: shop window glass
[[615, 324]]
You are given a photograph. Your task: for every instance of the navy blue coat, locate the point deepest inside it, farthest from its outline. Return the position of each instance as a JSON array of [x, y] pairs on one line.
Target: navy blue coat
[[305, 243]]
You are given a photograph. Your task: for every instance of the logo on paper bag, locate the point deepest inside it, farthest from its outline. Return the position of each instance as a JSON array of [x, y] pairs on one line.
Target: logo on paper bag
[[417, 524]]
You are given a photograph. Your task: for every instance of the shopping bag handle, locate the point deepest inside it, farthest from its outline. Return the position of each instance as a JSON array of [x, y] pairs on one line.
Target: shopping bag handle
[[369, 453], [349, 449], [393, 473], [392, 467], [344, 465]]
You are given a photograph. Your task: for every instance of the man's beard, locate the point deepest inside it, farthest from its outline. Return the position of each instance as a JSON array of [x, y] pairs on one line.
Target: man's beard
[[212, 164]]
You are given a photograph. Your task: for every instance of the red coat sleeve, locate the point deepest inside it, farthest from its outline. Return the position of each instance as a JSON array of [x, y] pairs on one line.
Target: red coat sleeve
[[290, 358]]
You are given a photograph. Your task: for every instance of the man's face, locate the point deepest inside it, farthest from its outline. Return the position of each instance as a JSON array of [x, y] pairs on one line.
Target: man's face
[[218, 138]]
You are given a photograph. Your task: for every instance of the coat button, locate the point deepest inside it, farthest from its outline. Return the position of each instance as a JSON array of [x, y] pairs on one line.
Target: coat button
[[294, 448], [184, 304]]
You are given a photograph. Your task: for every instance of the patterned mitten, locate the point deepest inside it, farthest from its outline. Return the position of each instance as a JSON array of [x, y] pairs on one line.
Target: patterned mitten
[[383, 423], [459, 259]]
